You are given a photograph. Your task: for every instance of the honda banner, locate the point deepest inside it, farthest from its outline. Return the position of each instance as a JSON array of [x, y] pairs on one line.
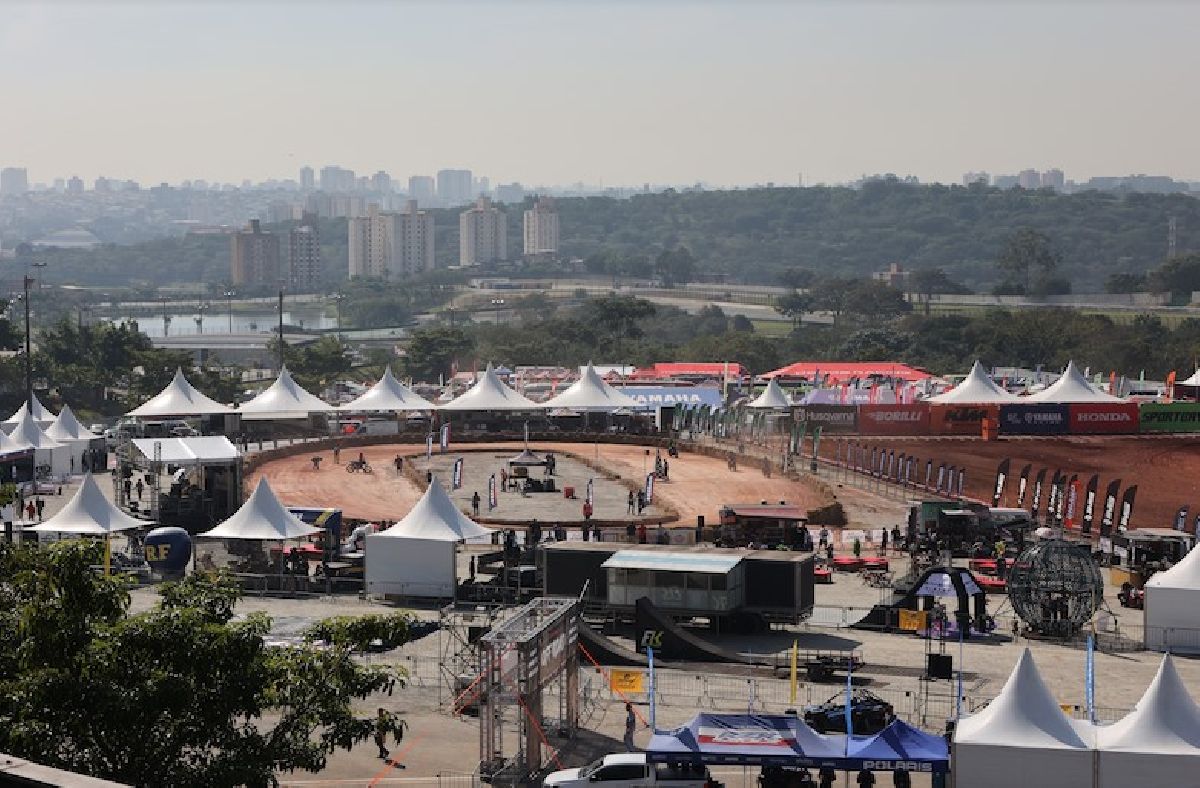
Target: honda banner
[[1102, 418]]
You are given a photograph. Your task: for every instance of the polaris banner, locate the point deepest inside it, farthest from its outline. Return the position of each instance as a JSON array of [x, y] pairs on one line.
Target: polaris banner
[[1022, 419], [1181, 518], [1001, 479], [1023, 485], [456, 475], [1089, 503], [1109, 516], [1126, 508], [1036, 505]]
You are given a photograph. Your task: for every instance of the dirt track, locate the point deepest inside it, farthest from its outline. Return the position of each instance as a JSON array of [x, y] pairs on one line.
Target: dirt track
[[699, 485], [1166, 470]]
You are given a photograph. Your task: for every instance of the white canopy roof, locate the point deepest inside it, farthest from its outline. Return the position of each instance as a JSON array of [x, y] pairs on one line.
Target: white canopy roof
[[284, 399], [388, 394], [1165, 721], [1071, 387], [28, 435], [1194, 380], [188, 451], [772, 397], [1184, 575], [89, 512], [40, 414], [436, 517], [262, 517], [976, 389], [489, 393], [179, 398], [590, 392], [1024, 714], [67, 428]]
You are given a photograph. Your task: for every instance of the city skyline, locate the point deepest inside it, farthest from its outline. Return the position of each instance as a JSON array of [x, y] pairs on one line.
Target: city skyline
[[620, 94]]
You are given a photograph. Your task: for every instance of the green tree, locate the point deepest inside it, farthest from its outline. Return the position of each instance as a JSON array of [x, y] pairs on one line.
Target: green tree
[[1124, 282], [432, 350], [1028, 257], [675, 266], [1179, 276], [794, 305], [927, 282], [618, 315]]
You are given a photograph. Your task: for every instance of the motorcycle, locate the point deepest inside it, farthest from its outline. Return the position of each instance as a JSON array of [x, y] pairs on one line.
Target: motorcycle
[[359, 466]]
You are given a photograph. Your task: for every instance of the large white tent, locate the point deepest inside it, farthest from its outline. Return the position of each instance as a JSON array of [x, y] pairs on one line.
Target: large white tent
[[283, 399], [67, 430], [1157, 745], [46, 451], [179, 398], [1072, 386], [1194, 380], [41, 415], [1172, 607], [489, 393], [264, 518], [772, 398], [1022, 738], [591, 393], [89, 513], [977, 388], [417, 556], [388, 394]]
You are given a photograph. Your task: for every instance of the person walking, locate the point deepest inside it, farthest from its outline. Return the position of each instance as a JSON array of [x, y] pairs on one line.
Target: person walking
[[139, 487], [866, 778], [632, 501], [337, 454], [641, 533], [30, 511], [630, 727], [475, 503], [127, 484], [382, 724], [827, 777], [823, 537], [901, 778], [399, 463]]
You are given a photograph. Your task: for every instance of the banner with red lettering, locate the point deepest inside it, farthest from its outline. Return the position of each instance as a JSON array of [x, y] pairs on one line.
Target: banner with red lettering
[[1102, 418]]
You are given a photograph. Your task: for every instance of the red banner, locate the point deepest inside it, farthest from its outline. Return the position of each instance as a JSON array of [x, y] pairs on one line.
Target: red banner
[[893, 419], [961, 419], [1103, 418]]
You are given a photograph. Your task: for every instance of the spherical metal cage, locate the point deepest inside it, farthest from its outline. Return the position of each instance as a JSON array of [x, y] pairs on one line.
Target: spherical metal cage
[[1055, 587]]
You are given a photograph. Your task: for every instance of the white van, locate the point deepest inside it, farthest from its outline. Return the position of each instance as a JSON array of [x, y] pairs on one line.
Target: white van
[[629, 770]]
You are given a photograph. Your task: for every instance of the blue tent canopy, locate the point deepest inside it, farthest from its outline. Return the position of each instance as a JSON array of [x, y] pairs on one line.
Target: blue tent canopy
[[785, 740]]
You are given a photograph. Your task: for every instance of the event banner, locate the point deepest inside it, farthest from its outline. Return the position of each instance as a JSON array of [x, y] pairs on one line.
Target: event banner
[[1033, 419], [1071, 509], [928, 473], [492, 492], [1176, 417], [962, 481], [893, 419], [1109, 515], [1023, 485], [1126, 508], [1001, 478], [1181, 518], [1036, 504], [456, 474], [444, 443], [1089, 503], [835, 418], [960, 419], [908, 471], [1102, 418], [941, 477], [649, 488]]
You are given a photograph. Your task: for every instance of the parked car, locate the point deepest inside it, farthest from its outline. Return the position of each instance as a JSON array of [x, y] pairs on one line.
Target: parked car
[[630, 770], [868, 713]]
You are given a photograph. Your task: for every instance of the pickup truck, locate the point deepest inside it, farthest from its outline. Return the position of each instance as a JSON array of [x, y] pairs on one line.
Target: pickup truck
[[630, 770]]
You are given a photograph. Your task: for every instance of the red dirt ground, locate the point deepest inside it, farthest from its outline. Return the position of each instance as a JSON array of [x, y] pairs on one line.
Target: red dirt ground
[[699, 484], [1166, 470]]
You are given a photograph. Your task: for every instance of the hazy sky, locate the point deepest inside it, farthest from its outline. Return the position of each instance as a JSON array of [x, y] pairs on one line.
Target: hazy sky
[[558, 92]]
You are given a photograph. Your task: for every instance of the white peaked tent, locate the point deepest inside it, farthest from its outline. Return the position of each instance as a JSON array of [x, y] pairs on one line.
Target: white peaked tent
[[1157, 745], [179, 398], [489, 393], [46, 451], [417, 556], [389, 394], [283, 399], [1194, 380], [67, 430], [591, 393], [1172, 607], [976, 389], [41, 415], [1072, 386], [264, 518], [771, 398], [89, 513], [1022, 738]]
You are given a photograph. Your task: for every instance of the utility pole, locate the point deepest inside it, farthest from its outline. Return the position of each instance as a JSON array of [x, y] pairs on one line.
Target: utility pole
[[229, 294], [28, 352], [281, 326]]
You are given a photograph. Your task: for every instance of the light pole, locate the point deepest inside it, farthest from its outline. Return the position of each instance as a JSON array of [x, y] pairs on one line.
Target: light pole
[[28, 280], [166, 318], [201, 308], [281, 325], [229, 294], [338, 298]]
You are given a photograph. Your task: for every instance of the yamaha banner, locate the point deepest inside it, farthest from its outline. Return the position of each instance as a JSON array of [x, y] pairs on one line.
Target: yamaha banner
[[1181, 518], [1089, 503], [456, 475], [1126, 508], [1108, 517], [1036, 504], [1001, 479], [492, 492], [1023, 485], [445, 439]]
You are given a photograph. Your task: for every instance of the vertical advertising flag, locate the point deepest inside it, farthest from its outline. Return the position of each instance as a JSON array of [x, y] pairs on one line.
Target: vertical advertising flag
[[1126, 508], [429, 445], [1060, 495], [492, 492], [1001, 479], [874, 460], [1023, 485], [816, 440], [649, 488], [525, 432], [891, 465], [941, 477], [456, 475], [1089, 503], [900, 459], [1181, 518], [1052, 510], [928, 473], [588, 495], [445, 438], [962, 481], [909, 470], [1196, 526], [1036, 504], [1108, 517], [1071, 516]]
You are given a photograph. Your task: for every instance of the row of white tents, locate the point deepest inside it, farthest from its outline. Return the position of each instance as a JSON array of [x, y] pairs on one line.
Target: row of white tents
[[59, 442], [1022, 737], [978, 388]]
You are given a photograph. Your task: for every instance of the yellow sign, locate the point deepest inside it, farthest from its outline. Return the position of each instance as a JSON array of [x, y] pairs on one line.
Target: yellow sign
[[912, 620], [626, 681]]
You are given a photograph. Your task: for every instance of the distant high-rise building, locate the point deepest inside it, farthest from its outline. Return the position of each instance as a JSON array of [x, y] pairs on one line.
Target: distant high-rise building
[[307, 179], [381, 183], [1005, 181], [483, 186], [304, 255], [976, 177], [423, 189], [336, 179], [391, 245], [454, 186], [75, 185], [510, 193], [541, 228], [1029, 179], [102, 185], [254, 256], [280, 212], [14, 180], [482, 234], [1054, 179]]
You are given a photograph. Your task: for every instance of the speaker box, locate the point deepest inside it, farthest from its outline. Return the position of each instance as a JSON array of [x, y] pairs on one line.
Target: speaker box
[[939, 666]]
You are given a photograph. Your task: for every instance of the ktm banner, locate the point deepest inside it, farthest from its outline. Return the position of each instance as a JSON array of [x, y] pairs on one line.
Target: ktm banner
[[893, 419], [960, 419], [1001, 479], [1096, 418]]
